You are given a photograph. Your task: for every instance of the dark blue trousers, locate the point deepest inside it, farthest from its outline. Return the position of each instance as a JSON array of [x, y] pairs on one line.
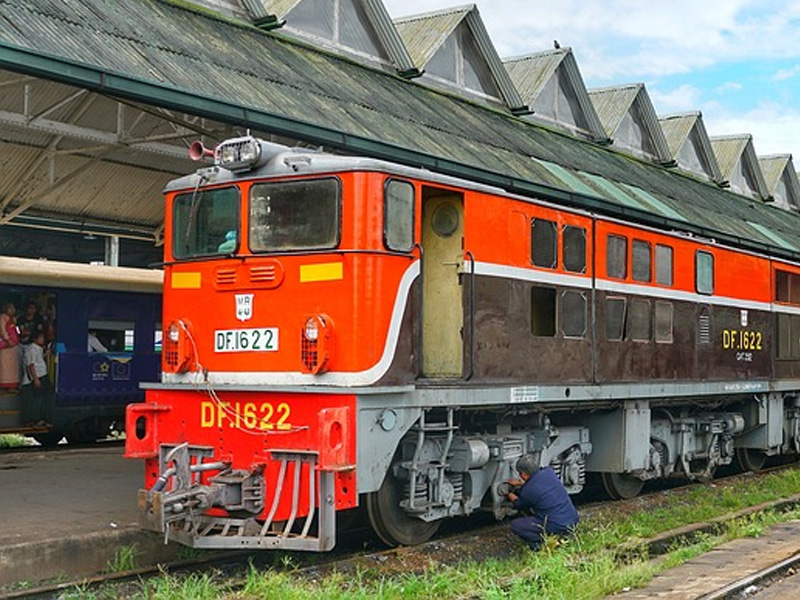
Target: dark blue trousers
[[533, 530]]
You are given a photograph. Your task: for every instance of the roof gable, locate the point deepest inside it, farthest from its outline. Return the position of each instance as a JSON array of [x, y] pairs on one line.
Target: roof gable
[[551, 84], [630, 121], [781, 180], [359, 28], [739, 165], [689, 145], [452, 48]]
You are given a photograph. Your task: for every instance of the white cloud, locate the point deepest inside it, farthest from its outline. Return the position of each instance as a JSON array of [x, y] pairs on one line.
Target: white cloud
[[682, 98], [728, 86], [773, 127], [785, 74]]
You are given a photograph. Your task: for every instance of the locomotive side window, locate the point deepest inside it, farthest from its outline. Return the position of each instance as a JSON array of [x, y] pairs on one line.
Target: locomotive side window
[[616, 309], [574, 249], [641, 261], [663, 322], [704, 272], [205, 223], [544, 243], [573, 314], [787, 287], [294, 215], [543, 311], [639, 321], [617, 256], [398, 223], [663, 265]]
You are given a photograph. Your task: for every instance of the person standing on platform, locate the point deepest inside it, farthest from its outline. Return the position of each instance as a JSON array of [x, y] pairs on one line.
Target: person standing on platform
[[36, 385], [543, 494], [9, 352]]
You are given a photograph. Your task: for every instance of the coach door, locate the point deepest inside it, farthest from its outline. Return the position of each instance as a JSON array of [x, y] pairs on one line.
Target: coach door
[[442, 309]]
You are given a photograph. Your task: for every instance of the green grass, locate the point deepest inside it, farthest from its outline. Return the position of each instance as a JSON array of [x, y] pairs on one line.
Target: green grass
[[589, 566], [124, 560], [14, 440]]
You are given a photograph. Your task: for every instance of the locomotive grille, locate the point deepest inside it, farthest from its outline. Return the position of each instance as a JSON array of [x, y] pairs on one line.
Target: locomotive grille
[[309, 352], [226, 276], [262, 273], [169, 353]]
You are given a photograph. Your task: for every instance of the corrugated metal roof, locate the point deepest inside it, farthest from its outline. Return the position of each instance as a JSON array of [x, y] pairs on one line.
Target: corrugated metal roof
[[688, 128], [532, 74], [739, 165], [615, 104], [780, 179], [244, 76], [425, 33]]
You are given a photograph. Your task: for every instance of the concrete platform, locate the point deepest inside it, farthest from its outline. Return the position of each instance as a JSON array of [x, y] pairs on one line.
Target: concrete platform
[[722, 565], [71, 512]]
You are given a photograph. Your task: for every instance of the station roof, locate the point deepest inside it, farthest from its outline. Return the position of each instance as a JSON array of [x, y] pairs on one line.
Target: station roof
[[551, 84], [739, 166], [780, 179], [690, 146], [199, 74], [630, 121]]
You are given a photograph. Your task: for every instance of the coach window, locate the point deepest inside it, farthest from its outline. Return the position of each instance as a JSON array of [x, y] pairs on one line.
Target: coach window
[[573, 243], [573, 314], [543, 311], [115, 336], [398, 224], [663, 322], [663, 265], [641, 261], [616, 309], [639, 321], [617, 256], [704, 272], [544, 243]]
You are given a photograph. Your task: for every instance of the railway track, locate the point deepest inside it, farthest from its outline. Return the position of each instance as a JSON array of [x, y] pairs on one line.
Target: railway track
[[354, 553]]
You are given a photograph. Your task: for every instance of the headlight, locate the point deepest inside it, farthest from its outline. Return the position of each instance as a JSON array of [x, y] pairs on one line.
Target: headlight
[[311, 330], [250, 151], [174, 333], [227, 155]]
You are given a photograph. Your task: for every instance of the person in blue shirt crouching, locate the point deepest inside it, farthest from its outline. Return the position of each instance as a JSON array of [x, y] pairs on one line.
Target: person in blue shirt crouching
[[543, 495]]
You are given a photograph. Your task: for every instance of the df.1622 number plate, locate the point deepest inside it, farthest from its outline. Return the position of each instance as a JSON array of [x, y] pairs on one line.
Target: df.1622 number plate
[[263, 339]]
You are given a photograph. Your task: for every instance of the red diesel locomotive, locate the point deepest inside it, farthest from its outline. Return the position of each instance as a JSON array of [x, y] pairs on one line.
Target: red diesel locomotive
[[344, 332]]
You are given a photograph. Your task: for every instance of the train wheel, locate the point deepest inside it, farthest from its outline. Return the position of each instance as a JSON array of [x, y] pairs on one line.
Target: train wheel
[[751, 459], [621, 486], [390, 521]]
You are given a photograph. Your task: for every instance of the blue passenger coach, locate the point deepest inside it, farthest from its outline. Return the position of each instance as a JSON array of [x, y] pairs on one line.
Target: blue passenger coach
[[120, 307]]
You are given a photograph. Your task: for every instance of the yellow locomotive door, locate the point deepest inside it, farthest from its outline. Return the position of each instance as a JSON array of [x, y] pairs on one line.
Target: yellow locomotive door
[[442, 308]]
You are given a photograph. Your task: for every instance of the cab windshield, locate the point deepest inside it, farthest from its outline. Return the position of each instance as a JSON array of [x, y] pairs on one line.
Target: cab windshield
[[205, 223], [294, 215]]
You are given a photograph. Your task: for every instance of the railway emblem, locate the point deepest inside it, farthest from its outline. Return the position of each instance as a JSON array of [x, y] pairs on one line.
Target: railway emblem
[[244, 307]]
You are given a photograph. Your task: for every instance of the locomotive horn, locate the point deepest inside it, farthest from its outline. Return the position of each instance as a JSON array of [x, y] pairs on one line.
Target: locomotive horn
[[197, 151]]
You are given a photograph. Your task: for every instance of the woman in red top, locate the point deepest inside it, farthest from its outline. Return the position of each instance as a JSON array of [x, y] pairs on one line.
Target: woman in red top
[[9, 354]]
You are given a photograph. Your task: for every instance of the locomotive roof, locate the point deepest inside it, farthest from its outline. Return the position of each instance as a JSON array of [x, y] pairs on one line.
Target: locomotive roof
[[226, 70]]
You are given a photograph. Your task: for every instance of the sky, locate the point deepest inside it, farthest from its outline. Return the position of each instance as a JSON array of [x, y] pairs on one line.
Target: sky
[[736, 61]]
